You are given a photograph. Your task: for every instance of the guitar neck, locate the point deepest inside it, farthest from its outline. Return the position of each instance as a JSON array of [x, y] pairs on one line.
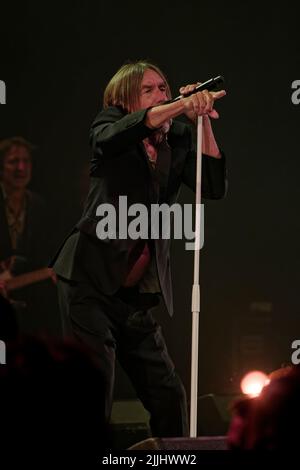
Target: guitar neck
[[26, 279]]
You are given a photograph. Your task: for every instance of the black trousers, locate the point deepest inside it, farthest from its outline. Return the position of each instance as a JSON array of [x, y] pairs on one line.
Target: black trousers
[[122, 326]]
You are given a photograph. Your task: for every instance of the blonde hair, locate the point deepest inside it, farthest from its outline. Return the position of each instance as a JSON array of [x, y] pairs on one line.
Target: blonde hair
[[125, 86]]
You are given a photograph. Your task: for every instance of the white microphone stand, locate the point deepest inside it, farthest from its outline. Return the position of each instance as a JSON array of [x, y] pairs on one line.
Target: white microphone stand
[[196, 288]]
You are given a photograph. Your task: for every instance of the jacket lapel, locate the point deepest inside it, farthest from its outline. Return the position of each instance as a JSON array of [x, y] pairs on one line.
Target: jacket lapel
[[162, 169], [159, 175]]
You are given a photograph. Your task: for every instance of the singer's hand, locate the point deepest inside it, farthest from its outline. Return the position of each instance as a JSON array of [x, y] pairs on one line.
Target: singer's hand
[[201, 103]]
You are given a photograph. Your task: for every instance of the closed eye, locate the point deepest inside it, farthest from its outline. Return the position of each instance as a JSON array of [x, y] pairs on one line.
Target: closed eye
[[147, 89]]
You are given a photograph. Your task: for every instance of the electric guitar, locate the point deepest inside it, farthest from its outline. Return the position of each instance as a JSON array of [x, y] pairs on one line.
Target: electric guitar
[[26, 279]]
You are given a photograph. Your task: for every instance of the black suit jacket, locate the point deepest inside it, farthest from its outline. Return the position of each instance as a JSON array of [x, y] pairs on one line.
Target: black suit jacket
[[32, 251], [121, 167]]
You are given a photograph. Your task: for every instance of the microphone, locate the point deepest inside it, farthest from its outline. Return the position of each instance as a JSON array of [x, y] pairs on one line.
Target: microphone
[[209, 85]]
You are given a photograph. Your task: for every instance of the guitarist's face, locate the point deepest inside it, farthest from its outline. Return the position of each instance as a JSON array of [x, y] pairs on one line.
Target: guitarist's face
[[17, 166]]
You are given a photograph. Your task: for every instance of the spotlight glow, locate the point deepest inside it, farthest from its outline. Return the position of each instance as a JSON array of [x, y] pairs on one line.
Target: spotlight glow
[[253, 383]]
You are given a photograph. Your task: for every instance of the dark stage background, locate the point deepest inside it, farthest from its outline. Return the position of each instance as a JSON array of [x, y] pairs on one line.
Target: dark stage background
[[56, 59]]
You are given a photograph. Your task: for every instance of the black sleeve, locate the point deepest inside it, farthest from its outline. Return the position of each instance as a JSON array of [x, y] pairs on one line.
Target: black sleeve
[[112, 131], [214, 180]]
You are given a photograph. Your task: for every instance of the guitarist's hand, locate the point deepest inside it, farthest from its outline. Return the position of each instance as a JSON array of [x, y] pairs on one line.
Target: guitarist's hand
[[6, 267], [3, 289], [5, 275], [53, 276]]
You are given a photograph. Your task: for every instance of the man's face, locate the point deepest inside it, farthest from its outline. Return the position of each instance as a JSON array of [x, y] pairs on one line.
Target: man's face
[[17, 166], [153, 90]]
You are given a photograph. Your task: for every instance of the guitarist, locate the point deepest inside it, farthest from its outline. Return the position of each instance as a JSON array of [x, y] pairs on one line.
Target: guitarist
[[22, 217]]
